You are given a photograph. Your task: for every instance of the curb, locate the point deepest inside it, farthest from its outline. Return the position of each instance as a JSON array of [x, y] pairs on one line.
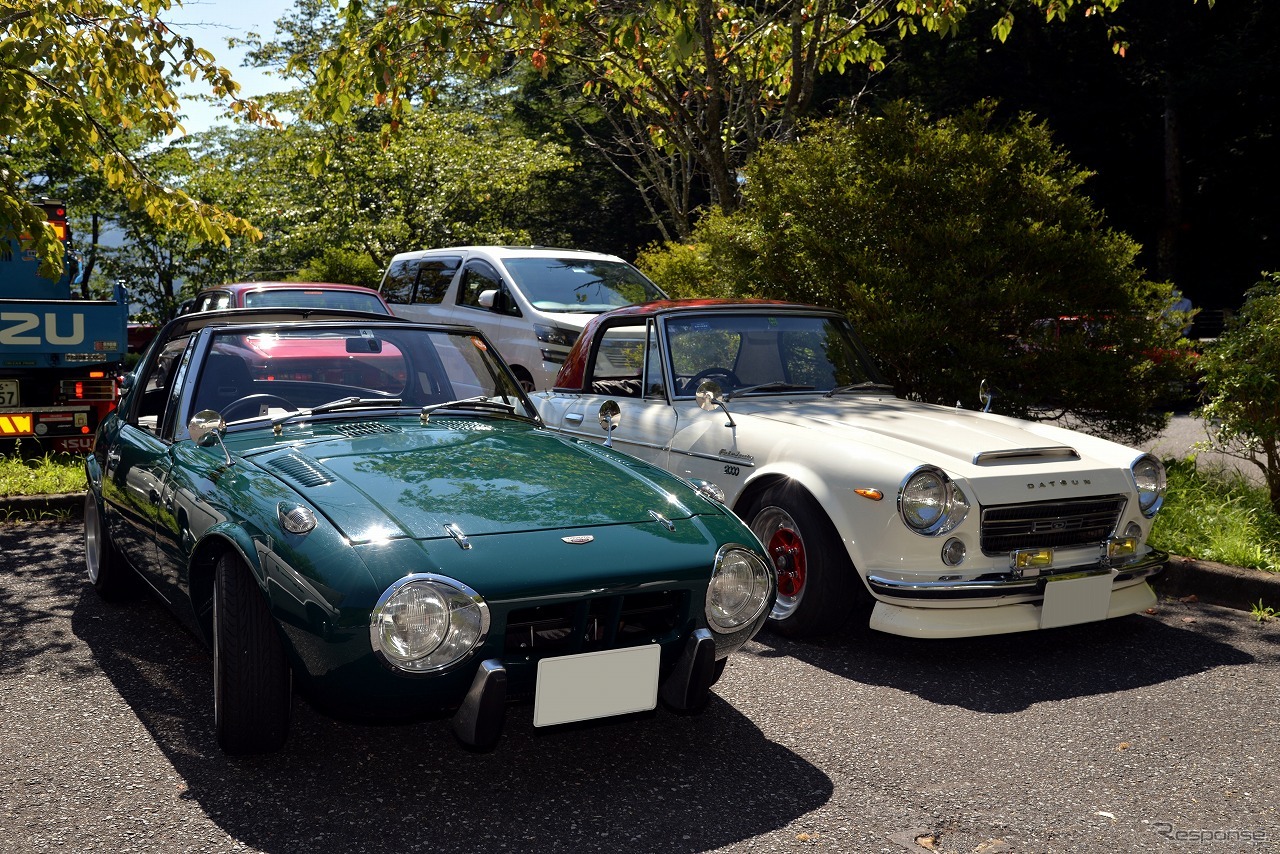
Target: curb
[[1217, 583], [1210, 582]]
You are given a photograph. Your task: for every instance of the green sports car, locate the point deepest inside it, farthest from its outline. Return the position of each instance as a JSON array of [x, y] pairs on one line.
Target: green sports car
[[371, 509]]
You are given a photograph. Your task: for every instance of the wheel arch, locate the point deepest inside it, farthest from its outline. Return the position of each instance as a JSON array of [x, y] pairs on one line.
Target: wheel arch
[[201, 571], [842, 517]]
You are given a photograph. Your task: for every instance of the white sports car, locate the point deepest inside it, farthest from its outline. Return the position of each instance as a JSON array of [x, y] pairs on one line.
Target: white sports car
[[952, 522]]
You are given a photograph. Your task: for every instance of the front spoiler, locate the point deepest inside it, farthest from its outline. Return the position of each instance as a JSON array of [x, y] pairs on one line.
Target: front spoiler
[[686, 688]]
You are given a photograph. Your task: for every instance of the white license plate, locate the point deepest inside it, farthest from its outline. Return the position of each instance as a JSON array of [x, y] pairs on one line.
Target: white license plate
[[1076, 600], [9, 393], [596, 685]]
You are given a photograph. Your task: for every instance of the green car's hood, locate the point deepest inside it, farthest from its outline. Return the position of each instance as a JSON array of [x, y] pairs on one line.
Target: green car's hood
[[483, 476]]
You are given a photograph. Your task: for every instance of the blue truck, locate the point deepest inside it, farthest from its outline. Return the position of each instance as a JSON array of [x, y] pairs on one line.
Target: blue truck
[[60, 357]]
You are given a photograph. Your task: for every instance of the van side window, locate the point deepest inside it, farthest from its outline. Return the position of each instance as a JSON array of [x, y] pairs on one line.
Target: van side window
[[418, 280], [434, 276], [397, 284], [477, 277]]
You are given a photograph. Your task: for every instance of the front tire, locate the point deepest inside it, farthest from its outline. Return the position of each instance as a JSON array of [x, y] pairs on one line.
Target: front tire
[[251, 680], [104, 565], [817, 585]]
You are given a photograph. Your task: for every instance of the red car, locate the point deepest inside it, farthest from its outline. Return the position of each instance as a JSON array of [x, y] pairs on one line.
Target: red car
[[290, 295]]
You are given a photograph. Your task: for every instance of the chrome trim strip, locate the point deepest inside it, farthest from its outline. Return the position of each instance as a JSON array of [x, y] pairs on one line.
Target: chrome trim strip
[[736, 461], [1140, 567], [1058, 452]]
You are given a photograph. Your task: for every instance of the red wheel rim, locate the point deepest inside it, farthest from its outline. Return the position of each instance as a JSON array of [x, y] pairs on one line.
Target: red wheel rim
[[787, 550]]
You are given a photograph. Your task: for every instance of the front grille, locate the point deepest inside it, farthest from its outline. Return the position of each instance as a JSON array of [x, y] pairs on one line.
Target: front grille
[[1071, 523], [95, 389], [605, 622]]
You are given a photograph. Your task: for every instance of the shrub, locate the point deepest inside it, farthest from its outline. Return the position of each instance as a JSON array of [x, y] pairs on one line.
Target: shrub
[[959, 249], [1241, 372]]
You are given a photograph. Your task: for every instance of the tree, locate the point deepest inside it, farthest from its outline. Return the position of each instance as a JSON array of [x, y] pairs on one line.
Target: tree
[[1242, 384], [963, 252], [76, 78], [693, 87]]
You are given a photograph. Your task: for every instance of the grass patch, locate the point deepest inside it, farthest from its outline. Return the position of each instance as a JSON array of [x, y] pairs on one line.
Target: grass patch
[[1215, 514], [51, 474]]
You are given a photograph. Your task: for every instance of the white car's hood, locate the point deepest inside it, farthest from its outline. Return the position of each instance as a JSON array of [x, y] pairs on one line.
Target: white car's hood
[[963, 441]]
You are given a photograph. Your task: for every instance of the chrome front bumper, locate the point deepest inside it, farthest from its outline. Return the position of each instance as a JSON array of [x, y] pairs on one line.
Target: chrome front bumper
[[1142, 566]]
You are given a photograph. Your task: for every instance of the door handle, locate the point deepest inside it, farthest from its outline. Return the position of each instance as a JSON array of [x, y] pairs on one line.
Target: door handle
[[574, 418]]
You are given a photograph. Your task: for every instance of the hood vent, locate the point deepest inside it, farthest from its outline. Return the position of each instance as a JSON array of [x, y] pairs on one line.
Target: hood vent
[[301, 470], [1016, 456], [367, 428]]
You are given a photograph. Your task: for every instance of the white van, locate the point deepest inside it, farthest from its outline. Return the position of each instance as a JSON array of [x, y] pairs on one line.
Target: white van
[[531, 302]]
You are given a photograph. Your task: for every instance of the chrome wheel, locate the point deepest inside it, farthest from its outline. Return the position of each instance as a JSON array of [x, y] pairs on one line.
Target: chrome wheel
[[785, 546], [93, 545]]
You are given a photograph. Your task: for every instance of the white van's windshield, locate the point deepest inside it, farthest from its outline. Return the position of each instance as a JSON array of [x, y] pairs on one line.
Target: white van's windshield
[[580, 284]]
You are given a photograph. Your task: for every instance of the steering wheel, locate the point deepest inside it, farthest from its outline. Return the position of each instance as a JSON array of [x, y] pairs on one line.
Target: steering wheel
[[256, 402], [731, 379]]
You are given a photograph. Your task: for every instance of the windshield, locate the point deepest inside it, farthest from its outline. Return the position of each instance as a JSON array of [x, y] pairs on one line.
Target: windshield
[[766, 353], [580, 285], [290, 368], [314, 298]]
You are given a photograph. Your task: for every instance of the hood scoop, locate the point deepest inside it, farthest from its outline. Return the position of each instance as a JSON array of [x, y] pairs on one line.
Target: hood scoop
[[301, 470], [1022, 456]]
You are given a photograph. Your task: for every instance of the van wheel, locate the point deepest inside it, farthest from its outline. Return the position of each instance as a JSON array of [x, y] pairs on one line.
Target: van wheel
[[524, 378]]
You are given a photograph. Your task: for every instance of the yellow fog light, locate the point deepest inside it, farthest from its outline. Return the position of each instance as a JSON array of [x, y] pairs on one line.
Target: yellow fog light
[[1032, 558], [1118, 547]]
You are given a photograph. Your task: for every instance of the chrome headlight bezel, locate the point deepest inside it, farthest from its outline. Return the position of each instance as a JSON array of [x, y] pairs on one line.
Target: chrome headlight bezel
[[1150, 481], [930, 503], [739, 589], [456, 624]]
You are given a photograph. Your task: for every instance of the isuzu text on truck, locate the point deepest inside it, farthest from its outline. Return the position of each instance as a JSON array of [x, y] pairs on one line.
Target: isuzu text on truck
[[59, 357]]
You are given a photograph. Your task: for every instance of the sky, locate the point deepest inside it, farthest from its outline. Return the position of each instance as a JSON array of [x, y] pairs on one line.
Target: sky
[[210, 23]]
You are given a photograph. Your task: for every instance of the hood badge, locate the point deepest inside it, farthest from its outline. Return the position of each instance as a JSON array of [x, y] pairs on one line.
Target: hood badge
[[578, 539], [1055, 484]]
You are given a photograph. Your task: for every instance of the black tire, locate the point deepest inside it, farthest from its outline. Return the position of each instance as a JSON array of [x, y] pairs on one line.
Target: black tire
[[112, 580], [252, 688], [817, 586]]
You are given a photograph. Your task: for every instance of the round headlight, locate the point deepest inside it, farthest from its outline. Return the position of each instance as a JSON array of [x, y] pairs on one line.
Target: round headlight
[[427, 623], [1148, 477], [930, 503], [739, 590]]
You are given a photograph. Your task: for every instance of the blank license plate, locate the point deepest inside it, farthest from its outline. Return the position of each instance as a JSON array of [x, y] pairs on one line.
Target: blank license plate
[[1076, 600], [9, 393], [596, 685]]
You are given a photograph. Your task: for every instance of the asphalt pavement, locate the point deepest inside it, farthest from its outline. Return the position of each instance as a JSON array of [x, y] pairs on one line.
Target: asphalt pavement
[[1155, 732]]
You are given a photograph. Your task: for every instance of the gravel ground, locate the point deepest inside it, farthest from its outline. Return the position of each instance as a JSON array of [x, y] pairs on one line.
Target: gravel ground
[[1151, 733]]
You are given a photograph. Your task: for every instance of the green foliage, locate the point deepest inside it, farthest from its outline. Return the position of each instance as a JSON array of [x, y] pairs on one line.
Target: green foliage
[[77, 77], [1241, 372], [348, 266], [47, 475], [692, 88], [1216, 514], [957, 248]]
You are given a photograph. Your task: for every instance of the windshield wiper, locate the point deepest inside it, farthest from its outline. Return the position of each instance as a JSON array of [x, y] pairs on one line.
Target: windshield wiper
[[334, 405], [866, 386], [480, 402], [777, 385]]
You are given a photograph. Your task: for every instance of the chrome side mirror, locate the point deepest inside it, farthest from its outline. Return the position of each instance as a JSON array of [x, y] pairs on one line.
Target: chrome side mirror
[[710, 399], [206, 428], [610, 418], [985, 396]]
